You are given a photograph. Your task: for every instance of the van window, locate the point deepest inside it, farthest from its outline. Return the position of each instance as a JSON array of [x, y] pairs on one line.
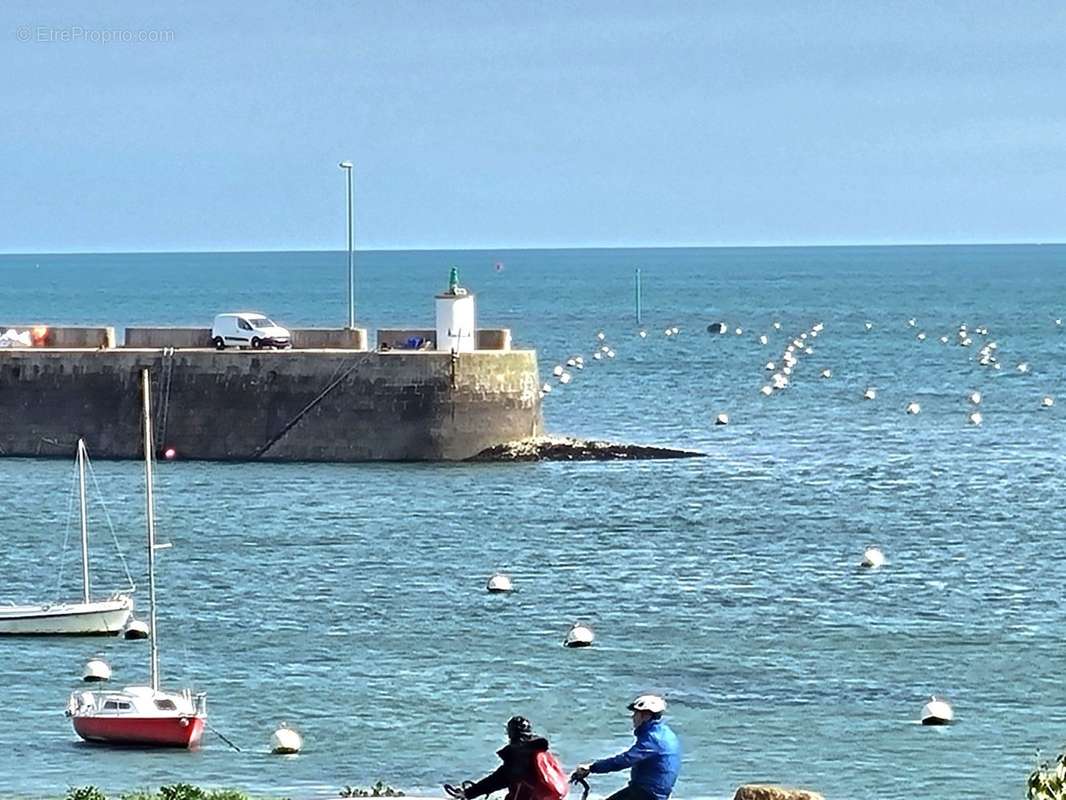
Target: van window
[[243, 325], [261, 322]]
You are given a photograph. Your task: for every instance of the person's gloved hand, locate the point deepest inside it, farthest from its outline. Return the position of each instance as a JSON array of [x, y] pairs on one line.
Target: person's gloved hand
[[581, 771], [455, 791]]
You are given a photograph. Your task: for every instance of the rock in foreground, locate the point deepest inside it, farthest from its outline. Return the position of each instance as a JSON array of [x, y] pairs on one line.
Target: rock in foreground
[[760, 791], [545, 448]]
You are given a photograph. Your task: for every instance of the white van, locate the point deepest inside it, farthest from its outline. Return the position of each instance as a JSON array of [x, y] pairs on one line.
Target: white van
[[248, 329]]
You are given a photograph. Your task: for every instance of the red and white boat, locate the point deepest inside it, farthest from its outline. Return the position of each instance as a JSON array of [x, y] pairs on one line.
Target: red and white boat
[[142, 716]]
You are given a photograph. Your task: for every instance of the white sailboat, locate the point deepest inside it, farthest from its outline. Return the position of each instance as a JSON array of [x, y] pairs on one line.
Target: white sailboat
[[73, 618], [143, 716]]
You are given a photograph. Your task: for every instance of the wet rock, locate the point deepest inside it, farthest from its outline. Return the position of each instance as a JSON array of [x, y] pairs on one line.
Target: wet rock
[[717, 327], [760, 791], [548, 448]]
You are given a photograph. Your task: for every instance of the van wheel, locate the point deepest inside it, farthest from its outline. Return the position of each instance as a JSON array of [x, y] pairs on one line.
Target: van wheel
[[219, 343], [257, 343]]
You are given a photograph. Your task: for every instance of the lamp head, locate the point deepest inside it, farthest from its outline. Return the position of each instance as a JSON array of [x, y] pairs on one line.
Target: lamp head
[[345, 165]]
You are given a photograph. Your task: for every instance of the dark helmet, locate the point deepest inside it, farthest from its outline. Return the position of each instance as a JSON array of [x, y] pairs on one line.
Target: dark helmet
[[519, 729]]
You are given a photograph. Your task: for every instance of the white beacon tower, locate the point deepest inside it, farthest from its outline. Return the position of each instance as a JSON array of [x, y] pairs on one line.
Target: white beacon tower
[[456, 325]]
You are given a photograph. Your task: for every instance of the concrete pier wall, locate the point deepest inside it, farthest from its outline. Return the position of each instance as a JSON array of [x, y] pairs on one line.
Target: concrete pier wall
[[308, 405]]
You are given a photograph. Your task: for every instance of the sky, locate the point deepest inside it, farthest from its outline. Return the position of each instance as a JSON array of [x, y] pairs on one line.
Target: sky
[[131, 126]]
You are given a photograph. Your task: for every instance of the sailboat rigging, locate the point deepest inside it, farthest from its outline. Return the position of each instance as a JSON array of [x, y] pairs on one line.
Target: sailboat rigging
[[72, 618]]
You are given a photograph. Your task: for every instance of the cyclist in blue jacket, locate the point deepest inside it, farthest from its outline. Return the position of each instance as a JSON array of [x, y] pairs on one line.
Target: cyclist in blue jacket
[[654, 760]]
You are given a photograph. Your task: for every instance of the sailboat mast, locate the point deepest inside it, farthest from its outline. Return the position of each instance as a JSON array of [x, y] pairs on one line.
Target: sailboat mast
[[84, 522], [150, 510]]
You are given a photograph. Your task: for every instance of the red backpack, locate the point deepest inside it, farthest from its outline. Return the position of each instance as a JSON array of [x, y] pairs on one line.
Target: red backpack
[[549, 782]]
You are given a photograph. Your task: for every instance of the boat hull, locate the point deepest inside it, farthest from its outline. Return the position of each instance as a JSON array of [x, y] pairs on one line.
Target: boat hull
[[137, 731], [105, 617]]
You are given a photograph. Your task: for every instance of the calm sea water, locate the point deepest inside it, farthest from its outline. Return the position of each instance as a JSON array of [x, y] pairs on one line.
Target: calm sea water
[[348, 599]]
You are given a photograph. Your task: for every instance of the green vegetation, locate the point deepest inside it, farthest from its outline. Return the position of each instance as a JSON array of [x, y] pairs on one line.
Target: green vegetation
[[1048, 782], [177, 791], [379, 789]]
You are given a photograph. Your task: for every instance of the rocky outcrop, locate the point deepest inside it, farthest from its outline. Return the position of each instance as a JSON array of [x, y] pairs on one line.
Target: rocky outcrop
[[762, 791], [547, 448]]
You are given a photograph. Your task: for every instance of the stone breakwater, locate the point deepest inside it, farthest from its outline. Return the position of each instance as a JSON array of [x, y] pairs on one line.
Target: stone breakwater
[[304, 405], [548, 448]]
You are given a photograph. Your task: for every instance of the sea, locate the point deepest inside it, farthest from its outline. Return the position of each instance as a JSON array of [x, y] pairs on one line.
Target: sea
[[348, 600]]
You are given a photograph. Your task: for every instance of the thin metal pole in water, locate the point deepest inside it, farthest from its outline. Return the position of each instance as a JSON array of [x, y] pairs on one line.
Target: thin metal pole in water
[[149, 501], [640, 310], [84, 523], [347, 167]]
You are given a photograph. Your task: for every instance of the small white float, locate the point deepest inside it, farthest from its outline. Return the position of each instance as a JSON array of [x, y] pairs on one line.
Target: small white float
[[975, 398], [579, 636], [557, 370], [285, 741], [601, 336], [1048, 401], [499, 583], [1023, 368], [135, 629], [870, 394], [975, 418], [721, 419], [869, 326], [565, 378], [763, 339], [872, 557], [96, 671], [937, 712], [913, 408], [546, 388], [767, 390], [827, 373]]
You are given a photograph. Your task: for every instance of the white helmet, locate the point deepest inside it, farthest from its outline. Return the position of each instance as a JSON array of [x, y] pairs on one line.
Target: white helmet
[[651, 703]]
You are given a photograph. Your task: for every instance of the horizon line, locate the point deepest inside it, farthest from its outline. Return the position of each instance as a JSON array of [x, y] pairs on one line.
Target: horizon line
[[536, 248]]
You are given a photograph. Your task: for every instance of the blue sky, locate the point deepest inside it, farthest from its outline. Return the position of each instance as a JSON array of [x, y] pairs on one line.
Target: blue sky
[[530, 124]]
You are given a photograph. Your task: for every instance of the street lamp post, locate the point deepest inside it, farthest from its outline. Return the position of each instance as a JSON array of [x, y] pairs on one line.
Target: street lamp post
[[347, 167]]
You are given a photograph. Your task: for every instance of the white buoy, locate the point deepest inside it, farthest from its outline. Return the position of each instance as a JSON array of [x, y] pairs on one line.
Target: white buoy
[[557, 370], [767, 390], [763, 339], [643, 334], [135, 629], [571, 362], [739, 331], [601, 336], [873, 558], [676, 330], [869, 326], [610, 354], [96, 671], [937, 712], [786, 370], [285, 741], [870, 394], [565, 378], [499, 583], [668, 332], [913, 408], [1048, 401], [818, 327], [809, 351], [966, 342], [921, 337], [912, 322], [770, 366], [975, 398], [579, 636], [827, 373], [1023, 368], [598, 356], [975, 418], [777, 326], [943, 339], [1058, 322], [546, 388], [721, 419]]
